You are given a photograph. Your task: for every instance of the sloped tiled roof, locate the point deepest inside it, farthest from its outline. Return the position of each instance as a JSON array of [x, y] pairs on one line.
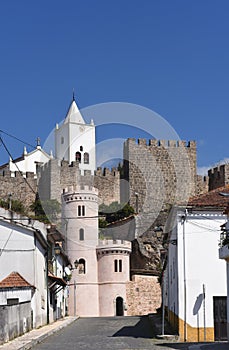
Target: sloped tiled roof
[[14, 280], [211, 199]]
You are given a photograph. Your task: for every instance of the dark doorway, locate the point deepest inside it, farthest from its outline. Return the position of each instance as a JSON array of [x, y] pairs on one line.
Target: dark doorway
[[220, 318], [119, 306]]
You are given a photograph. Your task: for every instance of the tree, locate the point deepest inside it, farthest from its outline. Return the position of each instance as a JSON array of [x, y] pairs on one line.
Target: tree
[[114, 212], [46, 211], [13, 204]]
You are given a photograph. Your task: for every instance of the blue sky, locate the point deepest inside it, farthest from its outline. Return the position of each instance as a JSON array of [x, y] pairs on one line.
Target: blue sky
[[169, 56]]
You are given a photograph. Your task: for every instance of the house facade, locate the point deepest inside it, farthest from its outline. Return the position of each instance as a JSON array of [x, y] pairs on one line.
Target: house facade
[[31, 275], [194, 279]]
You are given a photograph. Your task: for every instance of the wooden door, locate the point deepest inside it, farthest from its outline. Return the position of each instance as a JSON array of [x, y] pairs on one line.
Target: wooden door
[[220, 318]]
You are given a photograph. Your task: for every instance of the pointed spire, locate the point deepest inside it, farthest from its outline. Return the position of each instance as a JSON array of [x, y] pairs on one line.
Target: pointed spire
[[73, 95], [73, 114]]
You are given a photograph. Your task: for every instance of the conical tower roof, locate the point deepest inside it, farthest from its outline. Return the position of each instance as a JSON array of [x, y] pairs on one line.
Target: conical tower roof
[[74, 115]]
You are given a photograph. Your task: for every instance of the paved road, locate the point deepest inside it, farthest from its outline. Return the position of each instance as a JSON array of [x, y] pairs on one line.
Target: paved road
[[105, 334]]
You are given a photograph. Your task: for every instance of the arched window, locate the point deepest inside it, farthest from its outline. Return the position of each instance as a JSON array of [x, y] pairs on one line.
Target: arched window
[[81, 234], [78, 157], [62, 140], [82, 266], [86, 158]]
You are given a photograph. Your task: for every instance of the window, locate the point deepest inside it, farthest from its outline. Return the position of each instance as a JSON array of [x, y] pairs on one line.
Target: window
[[82, 266], [86, 158], [81, 210], [117, 265], [120, 265], [78, 157], [81, 232], [81, 148], [62, 140]]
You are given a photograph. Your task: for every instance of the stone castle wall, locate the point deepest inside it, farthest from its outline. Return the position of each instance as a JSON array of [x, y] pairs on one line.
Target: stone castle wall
[[56, 175], [202, 184], [218, 176], [21, 188], [159, 172], [108, 183], [143, 295]]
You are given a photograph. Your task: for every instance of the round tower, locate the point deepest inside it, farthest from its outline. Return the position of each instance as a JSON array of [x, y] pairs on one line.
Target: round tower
[[113, 275], [80, 221]]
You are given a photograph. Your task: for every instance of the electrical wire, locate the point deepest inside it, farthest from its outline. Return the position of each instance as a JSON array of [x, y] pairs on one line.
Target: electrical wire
[[16, 138], [6, 148]]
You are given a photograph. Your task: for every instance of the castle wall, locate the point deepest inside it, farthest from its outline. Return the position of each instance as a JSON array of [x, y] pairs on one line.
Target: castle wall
[[218, 176], [143, 295], [202, 184], [108, 183], [56, 175], [159, 173], [17, 185], [166, 169]]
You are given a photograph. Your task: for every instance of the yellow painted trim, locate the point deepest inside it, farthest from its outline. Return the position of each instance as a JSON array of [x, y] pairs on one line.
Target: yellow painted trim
[[193, 334]]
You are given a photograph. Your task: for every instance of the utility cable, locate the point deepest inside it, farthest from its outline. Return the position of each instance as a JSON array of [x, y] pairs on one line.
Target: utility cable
[[4, 145], [16, 138]]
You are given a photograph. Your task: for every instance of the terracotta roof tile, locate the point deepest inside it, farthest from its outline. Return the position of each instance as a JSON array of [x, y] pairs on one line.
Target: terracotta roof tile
[[14, 280], [211, 199]]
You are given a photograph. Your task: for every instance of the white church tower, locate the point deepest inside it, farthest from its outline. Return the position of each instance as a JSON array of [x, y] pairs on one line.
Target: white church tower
[[75, 140]]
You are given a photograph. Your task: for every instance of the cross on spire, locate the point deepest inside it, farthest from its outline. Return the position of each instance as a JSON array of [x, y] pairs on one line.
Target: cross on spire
[[38, 141]]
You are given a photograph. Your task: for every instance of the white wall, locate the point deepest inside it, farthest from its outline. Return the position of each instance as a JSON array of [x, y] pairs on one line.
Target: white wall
[[23, 253], [202, 266], [28, 164]]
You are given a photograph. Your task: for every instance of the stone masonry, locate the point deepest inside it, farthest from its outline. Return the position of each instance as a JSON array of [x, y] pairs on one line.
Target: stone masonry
[[22, 188], [143, 295], [218, 176], [56, 175]]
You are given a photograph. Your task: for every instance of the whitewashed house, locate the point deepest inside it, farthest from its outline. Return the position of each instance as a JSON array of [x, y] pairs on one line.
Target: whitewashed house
[[194, 283], [31, 275], [224, 251]]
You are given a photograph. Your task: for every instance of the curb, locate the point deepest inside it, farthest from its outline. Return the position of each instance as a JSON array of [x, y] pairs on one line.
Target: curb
[[46, 335], [28, 344]]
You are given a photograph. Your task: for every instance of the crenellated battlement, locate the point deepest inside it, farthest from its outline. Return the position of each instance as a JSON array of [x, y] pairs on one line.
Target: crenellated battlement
[[82, 189], [107, 172], [113, 246], [12, 174], [218, 176], [162, 143]]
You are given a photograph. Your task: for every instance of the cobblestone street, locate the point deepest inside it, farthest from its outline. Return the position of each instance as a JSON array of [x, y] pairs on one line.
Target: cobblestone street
[[107, 333]]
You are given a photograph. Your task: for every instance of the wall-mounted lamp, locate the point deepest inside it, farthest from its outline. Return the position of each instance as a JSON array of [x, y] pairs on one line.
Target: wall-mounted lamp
[[76, 263], [57, 249]]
